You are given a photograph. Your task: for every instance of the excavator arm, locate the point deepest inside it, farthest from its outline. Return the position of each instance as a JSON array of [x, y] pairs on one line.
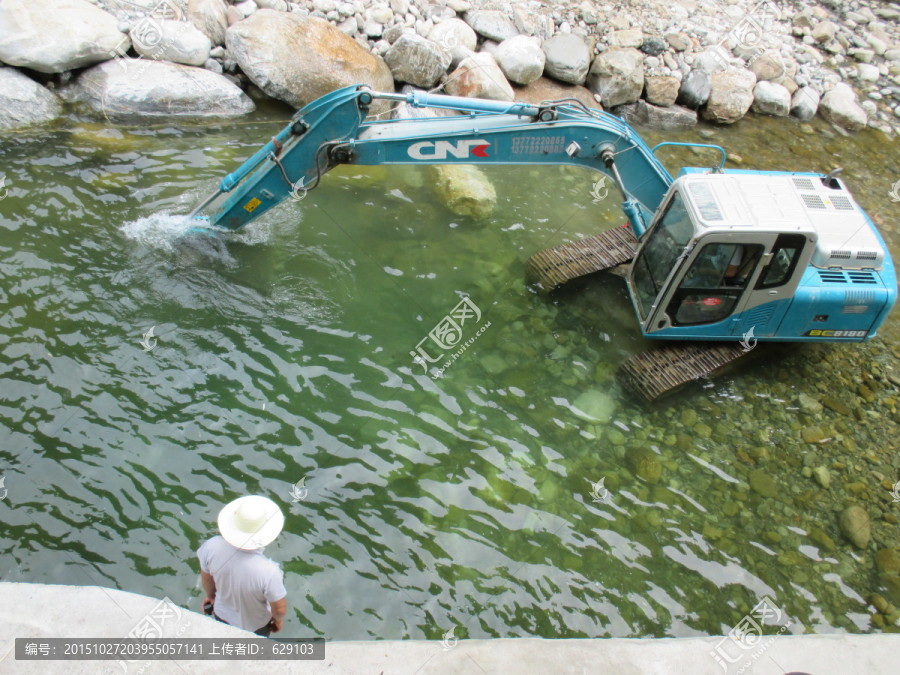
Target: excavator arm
[[334, 130]]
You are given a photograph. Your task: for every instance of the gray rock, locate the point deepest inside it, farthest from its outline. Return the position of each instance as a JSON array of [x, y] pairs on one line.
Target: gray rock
[[416, 60], [768, 66], [521, 59], [771, 99], [867, 72], [24, 102], [730, 97], [175, 41], [856, 526], [626, 38], [297, 59], [824, 31], [695, 89], [839, 106], [53, 36], [805, 103], [568, 58], [712, 60], [678, 41], [617, 75], [144, 88], [653, 46], [492, 24], [479, 76], [669, 118], [456, 36], [662, 89], [277, 5], [210, 17]]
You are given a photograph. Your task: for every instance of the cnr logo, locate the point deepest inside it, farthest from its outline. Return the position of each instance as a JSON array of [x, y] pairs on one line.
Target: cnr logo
[[444, 149]]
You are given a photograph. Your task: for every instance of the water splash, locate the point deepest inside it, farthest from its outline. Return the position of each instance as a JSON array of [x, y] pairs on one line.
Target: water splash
[[159, 230]]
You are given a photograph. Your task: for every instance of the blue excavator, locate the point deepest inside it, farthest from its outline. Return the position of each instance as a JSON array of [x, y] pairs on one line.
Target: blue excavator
[[717, 258]]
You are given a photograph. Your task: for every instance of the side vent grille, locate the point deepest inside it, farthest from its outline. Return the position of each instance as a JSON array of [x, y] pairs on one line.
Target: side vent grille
[[813, 201], [832, 277], [840, 255], [866, 255], [803, 184], [862, 277], [841, 203]]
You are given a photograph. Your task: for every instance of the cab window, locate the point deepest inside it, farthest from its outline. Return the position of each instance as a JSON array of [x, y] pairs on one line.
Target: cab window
[[710, 289], [785, 255]]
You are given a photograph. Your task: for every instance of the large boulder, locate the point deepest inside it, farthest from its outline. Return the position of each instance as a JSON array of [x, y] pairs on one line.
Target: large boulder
[[520, 58], [856, 526], [617, 75], [456, 36], [730, 97], [662, 89], [53, 36], [805, 103], [768, 66], [492, 24], [416, 60], [143, 88], [695, 89], [667, 118], [545, 89], [479, 76], [839, 107], [568, 58], [297, 59], [210, 17], [464, 189], [24, 102], [175, 41], [771, 99]]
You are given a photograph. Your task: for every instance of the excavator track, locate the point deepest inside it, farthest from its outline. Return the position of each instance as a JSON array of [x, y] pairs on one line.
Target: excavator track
[[660, 370], [555, 266]]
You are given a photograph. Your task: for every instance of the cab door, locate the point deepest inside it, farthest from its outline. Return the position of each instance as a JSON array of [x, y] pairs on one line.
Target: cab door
[[711, 288]]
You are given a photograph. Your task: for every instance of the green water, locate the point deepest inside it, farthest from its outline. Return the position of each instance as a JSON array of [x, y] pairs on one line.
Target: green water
[[458, 502]]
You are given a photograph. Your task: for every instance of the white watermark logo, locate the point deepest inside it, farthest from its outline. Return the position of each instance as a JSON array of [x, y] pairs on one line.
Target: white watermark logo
[[148, 342], [895, 191], [748, 34], [299, 190], [4, 193], [448, 334], [299, 491], [450, 640], [744, 645], [599, 493], [748, 341], [3, 490], [599, 191], [153, 626], [895, 493]]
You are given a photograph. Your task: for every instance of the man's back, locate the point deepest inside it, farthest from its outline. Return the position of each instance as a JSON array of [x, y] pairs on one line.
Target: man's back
[[246, 581]]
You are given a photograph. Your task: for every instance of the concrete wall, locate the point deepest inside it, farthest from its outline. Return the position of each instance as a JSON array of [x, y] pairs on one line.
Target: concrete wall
[[40, 611]]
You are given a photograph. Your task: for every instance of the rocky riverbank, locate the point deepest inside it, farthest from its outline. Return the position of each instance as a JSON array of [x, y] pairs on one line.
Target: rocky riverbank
[[656, 64]]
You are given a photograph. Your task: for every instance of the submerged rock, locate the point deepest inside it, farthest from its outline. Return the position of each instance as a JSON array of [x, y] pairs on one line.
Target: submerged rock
[[763, 484], [53, 36], [464, 189], [131, 87], [297, 59], [644, 463], [594, 406], [856, 526], [24, 102]]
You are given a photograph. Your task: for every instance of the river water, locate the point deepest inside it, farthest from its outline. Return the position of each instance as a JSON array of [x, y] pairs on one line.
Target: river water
[[280, 365]]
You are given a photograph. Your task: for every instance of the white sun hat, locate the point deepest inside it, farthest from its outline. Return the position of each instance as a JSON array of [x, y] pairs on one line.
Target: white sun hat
[[250, 522]]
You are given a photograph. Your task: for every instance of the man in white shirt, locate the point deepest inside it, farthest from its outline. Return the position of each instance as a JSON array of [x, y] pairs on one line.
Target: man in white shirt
[[243, 587]]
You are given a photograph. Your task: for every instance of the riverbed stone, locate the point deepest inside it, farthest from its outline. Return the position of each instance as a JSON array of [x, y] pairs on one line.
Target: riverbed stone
[[730, 97], [479, 76], [594, 406], [568, 58], [887, 560], [53, 36], [805, 103], [644, 463], [617, 75], [839, 106], [24, 102], [297, 59], [520, 58], [630, 37], [768, 66], [824, 31], [210, 17], [456, 36], [763, 484], [175, 41], [694, 90], [661, 89], [464, 189], [808, 404], [856, 526], [771, 99], [416, 60], [492, 24], [145, 88]]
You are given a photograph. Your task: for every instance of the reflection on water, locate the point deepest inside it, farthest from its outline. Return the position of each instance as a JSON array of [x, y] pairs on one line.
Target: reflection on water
[[467, 501]]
